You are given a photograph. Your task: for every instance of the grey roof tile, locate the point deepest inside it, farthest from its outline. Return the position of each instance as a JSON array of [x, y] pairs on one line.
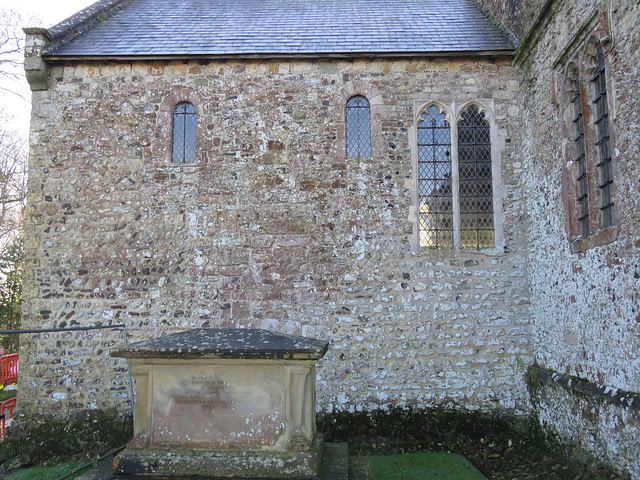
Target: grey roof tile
[[285, 27]]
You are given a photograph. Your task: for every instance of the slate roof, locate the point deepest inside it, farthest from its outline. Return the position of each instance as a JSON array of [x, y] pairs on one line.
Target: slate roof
[[167, 28]]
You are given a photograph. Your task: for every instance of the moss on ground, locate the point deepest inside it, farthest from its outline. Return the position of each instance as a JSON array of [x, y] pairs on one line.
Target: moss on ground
[[502, 447], [45, 473], [422, 465], [51, 441]]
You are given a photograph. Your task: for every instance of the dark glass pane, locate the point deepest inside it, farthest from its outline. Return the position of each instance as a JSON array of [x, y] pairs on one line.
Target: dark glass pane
[[435, 189], [476, 186], [358, 127], [604, 149], [580, 160], [184, 134]]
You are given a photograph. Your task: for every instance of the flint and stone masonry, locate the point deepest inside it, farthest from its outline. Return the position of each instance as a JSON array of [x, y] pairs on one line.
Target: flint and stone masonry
[[271, 227], [585, 307]]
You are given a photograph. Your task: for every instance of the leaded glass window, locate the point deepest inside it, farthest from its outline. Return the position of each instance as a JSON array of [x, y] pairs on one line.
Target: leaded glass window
[[589, 190], [605, 184], [581, 161], [184, 134], [434, 179], [475, 179], [455, 179], [358, 127]]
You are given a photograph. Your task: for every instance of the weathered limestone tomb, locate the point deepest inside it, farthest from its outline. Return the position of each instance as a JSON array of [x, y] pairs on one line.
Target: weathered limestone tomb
[[445, 191], [224, 402]]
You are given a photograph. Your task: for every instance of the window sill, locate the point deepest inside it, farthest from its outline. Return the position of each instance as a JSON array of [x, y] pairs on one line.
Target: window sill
[[602, 237], [493, 251]]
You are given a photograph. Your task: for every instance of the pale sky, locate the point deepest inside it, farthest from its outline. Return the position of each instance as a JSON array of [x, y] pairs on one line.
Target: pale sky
[[35, 13], [49, 11]]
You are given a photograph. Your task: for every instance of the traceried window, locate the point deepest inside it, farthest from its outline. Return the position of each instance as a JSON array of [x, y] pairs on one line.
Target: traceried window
[[476, 189], [455, 185], [605, 184], [358, 127], [434, 179], [184, 134]]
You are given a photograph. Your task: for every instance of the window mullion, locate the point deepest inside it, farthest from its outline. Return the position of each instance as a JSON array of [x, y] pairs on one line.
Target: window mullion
[[455, 186]]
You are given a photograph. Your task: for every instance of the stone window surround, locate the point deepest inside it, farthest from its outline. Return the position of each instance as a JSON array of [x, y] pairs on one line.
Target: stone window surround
[[583, 59], [377, 109], [453, 110], [162, 144]]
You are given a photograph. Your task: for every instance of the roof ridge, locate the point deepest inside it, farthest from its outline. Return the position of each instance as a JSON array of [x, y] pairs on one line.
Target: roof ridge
[[81, 22]]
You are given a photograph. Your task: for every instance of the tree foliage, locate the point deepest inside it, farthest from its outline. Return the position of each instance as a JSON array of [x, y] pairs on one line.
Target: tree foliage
[[13, 173], [11, 268], [13, 177]]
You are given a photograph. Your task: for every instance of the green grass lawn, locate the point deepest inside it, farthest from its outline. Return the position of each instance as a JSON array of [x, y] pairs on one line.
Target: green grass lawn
[[7, 394], [422, 466], [44, 473]]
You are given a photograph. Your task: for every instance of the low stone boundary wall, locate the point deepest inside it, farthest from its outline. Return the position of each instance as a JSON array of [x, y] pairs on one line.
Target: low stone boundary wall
[[603, 420]]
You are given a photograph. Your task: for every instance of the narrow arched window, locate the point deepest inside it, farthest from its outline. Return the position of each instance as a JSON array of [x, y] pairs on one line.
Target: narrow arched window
[[605, 184], [580, 157], [476, 183], [184, 134], [358, 127], [588, 179], [434, 179]]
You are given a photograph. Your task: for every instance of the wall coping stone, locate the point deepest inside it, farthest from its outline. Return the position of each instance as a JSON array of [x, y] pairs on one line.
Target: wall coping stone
[[79, 23], [538, 377]]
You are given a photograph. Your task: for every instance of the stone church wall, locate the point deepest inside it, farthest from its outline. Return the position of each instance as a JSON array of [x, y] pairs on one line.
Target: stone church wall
[[516, 17], [585, 294], [271, 228]]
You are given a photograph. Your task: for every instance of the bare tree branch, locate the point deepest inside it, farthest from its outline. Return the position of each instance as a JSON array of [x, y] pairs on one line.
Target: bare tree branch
[[13, 188], [11, 52], [13, 156]]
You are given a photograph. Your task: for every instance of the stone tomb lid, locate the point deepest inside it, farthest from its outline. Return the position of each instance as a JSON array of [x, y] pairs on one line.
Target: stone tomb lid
[[226, 343]]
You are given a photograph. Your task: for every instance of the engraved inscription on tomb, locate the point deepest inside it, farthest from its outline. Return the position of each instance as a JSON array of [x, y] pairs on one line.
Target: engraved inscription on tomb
[[225, 407], [209, 392]]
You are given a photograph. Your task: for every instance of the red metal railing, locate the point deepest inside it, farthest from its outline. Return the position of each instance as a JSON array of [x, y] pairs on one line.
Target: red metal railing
[[6, 413], [9, 368]]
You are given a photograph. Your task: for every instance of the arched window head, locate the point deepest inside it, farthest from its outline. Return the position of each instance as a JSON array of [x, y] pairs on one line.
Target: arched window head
[[434, 179], [358, 127], [456, 164], [476, 183], [184, 134]]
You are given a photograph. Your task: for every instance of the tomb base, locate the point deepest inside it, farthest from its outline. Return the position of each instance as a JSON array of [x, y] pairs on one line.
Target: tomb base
[[224, 403], [221, 463]]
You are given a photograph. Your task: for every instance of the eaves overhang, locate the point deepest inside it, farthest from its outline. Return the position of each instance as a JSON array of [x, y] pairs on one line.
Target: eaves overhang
[[221, 30], [279, 56]]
